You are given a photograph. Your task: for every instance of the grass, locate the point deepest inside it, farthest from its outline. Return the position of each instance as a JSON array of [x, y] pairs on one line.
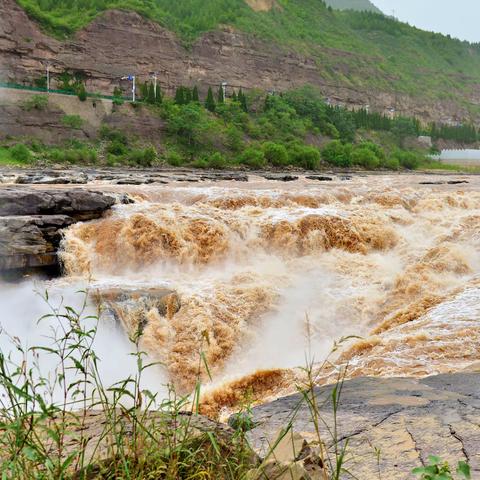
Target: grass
[[6, 159], [67, 423], [438, 165]]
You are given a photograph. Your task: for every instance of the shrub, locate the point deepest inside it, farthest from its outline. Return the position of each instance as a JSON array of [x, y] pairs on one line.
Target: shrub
[[275, 154], [82, 93], [116, 148], [391, 163], [304, 156], [217, 161], [253, 157], [408, 160], [338, 154], [107, 133], [142, 157], [72, 121], [175, 159], [36, 102], [73, 155], [200, 163], [364, 157], [21, 153]]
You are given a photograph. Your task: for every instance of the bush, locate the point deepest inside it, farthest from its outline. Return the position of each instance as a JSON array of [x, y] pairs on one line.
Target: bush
[[408, 160], [72, 121], [73, 155], [338, 154], [253, 157], [36, 102], [174, 159], [116, 148], [275, 154], [142, 157], [217, 161], [392, 163], [82, 93], [21, 153], [107, 133], [200, 163], [364, 157], [304, 156]]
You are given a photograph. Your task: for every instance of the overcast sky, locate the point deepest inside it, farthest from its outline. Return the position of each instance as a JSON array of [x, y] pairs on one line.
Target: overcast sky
[[459, 18]]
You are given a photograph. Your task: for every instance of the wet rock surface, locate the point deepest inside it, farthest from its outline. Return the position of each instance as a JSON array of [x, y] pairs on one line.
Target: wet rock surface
[[392, 425], [31, 221]]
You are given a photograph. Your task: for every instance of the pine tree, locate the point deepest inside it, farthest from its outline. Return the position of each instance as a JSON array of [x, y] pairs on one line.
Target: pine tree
[[195, 96], [221, 95], [159, 97], [210, 101], [187, 93], [144, 91], [234, 97], [179, 96], [151, 94], [243, 101]]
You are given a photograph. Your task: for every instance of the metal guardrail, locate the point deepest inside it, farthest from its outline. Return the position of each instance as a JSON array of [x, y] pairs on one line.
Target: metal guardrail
[[17, 86]]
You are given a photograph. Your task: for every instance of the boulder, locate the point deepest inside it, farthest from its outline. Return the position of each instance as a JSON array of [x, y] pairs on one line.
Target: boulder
[[31, 222]]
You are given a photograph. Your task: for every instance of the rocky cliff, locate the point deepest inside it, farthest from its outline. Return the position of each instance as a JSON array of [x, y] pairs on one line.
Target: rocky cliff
[[118, 43]]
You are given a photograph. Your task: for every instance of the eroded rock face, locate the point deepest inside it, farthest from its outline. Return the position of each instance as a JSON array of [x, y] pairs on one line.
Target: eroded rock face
[[392, 425], [120, 42], [31, 222]]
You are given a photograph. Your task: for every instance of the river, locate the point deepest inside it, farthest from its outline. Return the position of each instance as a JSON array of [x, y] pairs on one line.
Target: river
[[264, 273]]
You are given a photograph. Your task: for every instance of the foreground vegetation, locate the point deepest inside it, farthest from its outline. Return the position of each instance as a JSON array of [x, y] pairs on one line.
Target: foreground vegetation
[[296, 129], [67, 423]]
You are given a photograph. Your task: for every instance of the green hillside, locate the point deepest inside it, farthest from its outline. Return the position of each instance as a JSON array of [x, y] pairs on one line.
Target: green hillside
[[359, 5], [358, 49]]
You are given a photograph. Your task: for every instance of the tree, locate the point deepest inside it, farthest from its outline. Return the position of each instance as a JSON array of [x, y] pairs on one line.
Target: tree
[[220, 95], [234, 97], [402, 128], [243, 101], [151, 94], [81, 92], [275, 153], [187, 93], [180, 96], [195, 96], [144, 90], [365, 157], [210, 102], [159, 96], [253, 157], [338, 154]]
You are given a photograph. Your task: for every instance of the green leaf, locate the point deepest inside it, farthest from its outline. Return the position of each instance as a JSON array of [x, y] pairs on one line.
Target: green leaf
[[433, 460], [464, 469], [419, 471]]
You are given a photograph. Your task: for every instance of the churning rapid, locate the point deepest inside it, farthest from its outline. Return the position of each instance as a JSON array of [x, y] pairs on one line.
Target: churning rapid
[[256, 274]]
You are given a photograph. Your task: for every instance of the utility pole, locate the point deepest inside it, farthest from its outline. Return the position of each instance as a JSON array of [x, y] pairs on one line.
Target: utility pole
[[131, 78], [224, 88], [154, 76], [47, 66]]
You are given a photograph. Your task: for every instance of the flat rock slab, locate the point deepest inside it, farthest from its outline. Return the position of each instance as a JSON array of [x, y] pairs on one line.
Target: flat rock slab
[[392, 425]]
